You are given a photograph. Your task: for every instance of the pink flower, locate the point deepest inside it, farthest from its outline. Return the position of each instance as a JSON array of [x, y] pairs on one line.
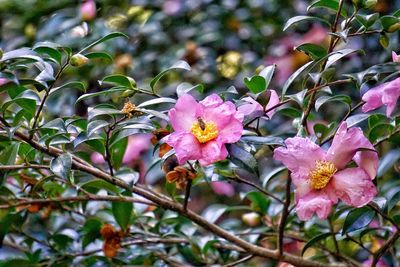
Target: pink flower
[[137, 144], [203, 128], [385, 94], [252, 107], [223, 188], [88, 10], [395, 57], [321, 177]]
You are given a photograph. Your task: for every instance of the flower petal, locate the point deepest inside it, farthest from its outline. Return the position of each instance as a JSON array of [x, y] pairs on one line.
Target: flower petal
[[232, 131], [250, 106], [221, 115], [211, 152], [273, 101], [212, 100], [354, 186], [391, 95], [223, 188], [299, 156], [186, 146], [313, 202], [348, 142], [137, 144], [185, 113], [373, 98]]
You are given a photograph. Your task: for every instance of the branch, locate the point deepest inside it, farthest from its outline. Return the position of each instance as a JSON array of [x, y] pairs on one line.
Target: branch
[[284, 216], [385, 247], [168, 204]]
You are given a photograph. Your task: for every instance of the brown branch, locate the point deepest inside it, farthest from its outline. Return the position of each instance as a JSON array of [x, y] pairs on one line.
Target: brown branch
[[285, 213], [239, 261], [90, 197], [23, 166], [385, 248], [171, 205]]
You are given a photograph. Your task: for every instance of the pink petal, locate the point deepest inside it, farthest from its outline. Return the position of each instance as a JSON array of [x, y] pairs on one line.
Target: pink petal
[[185, 113], [299, 156], [223, 188], [391, 95], [251, 106], [221, 115], [137, 144], [313, 202], [232, 131], [354, 186], [273, 101], [212, 100], [373, 99], [211, 152], [186, 146], [97, 158], [395, 57], [345, 145]]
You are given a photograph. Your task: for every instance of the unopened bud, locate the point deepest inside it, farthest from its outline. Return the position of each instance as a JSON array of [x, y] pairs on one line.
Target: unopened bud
[[78, 60], [251, 219], [88, 10]]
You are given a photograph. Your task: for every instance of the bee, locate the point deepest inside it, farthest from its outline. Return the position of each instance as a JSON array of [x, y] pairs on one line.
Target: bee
[[202, 124]]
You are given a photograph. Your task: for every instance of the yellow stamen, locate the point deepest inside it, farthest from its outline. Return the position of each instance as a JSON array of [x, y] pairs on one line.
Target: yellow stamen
[[322, 174], [204, 131]]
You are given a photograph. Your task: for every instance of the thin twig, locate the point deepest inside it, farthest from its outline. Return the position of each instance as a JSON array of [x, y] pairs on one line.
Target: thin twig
[[239, 261], [285, 213]]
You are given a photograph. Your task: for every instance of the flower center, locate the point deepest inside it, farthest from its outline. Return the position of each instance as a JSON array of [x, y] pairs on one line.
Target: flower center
[[204, 130], [322, 174]]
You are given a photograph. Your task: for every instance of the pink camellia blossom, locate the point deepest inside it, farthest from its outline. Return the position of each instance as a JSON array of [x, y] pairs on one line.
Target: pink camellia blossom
[[395, 57], [252, 107], [88, 10], [321, 177], [203, 128], [385, 94], [223, 188]]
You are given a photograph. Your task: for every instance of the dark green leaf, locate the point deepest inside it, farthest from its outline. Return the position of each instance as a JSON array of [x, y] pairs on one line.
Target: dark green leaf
[[103, 39], [180, 65], [122, 212], [242, 158], [329, 4], [357, 218], [255, 84], [61, 166], [314, 241], [312, 50], [297, 19], [336, 98]]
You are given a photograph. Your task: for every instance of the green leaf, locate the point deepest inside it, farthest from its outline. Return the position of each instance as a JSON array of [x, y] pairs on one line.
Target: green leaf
[[314, 241], [157, 101], [380, 130], [97, 184], [295, 75], [180, 65], [263, 140], [93, 126], [329, 4], [91, 231], [103, 39], [259, 202], [242, 158], [356, 119], [336, 98], [387, 161], [99, 55], [390, 23], [119, 80], [255, 84], [267, 74], [312, 50], [297, 19], [105, 92], [367, 20], [357, 218], [95, 112], [213, 212], [394, 200], [117, 152], [122, 212], [271, 174], [71, 85], [61, 166], [50, 51], [9, 154]]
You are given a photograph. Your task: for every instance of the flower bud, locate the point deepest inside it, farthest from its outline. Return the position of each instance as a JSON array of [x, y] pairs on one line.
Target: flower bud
[[88, 10], [251, 219], [78, 60]]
